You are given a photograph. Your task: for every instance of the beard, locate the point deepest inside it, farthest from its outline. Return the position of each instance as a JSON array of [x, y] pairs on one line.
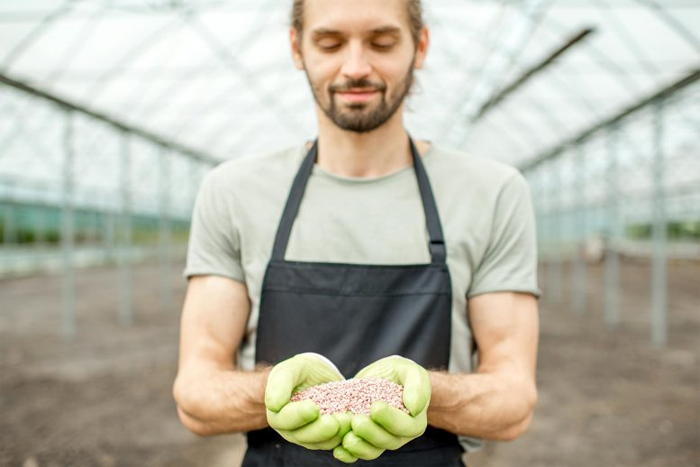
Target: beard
[[362, 117]]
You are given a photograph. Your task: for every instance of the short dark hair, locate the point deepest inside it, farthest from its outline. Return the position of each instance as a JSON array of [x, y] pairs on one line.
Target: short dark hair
[[415, 17]]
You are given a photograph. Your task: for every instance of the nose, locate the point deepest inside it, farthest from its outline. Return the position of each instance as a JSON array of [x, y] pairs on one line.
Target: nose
[[356, 64]]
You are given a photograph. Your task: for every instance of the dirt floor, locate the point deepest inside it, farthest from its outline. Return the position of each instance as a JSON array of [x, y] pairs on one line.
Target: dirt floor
[[607, 397]]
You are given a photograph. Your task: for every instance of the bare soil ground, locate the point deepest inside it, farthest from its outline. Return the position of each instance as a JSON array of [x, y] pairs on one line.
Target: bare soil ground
[[607, 397]]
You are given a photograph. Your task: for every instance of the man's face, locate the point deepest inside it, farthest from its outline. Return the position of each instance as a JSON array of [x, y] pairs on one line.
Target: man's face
[[358, 56]]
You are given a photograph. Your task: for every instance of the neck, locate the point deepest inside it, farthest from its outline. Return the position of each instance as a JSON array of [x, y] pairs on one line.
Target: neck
[[373, 154]]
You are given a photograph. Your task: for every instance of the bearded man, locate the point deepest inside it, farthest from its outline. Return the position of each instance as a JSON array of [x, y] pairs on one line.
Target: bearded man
[[361, 254]]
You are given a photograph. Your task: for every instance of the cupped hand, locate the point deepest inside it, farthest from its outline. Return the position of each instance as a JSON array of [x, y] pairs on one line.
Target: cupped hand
[[388, 427], [300, 422]]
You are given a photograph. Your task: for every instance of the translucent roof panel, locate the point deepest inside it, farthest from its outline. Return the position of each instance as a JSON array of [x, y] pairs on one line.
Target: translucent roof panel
[[217, 75]]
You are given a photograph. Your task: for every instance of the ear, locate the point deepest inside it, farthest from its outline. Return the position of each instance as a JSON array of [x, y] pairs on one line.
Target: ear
[[422, 48], [295, 42]]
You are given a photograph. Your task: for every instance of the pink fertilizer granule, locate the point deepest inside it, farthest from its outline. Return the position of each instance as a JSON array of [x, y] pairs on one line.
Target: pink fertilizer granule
[[354, 395]]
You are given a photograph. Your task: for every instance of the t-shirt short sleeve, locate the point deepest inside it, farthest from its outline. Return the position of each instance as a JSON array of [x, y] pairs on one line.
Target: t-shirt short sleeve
[[510, 261], [214, 243]]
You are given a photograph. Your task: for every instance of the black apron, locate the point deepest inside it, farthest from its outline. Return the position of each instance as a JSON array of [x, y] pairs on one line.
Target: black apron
[[354, 315]]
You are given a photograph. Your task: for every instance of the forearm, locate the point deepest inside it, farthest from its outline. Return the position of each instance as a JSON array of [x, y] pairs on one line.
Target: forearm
[[483, 405], [212, 400]]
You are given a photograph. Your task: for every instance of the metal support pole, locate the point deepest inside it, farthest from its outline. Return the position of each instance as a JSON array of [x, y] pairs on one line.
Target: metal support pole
[[93, 228], [9, 228], [164, 233], [68, 234], [612, 257], [108, 233], [578, 286], [40, 226], [8, 236], [540, 224], [192, 187], [38, 231], [126, 312], [555, 212], [659, 329]]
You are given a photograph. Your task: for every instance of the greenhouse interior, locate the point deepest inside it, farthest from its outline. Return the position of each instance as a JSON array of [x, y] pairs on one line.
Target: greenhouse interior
[[113, 112]]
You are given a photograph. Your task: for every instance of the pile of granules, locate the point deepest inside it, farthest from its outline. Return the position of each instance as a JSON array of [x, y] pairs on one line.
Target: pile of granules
[[354, 395]]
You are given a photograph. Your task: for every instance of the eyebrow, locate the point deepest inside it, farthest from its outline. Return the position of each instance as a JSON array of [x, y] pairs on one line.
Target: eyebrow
[[376, 31], [386, 30]]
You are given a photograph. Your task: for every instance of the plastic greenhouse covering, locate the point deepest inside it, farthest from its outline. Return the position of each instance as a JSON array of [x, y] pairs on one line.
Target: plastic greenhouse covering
[[517, 81]]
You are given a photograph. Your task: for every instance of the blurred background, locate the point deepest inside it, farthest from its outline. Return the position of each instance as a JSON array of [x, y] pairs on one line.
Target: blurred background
[[112, 111]]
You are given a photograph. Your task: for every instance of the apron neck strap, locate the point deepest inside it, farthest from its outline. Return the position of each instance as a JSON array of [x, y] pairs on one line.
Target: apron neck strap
[[438, 251]]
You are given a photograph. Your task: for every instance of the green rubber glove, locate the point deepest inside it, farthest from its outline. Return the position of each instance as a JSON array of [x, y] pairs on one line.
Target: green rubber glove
[[343, 454], [388, 427], [299, 422]]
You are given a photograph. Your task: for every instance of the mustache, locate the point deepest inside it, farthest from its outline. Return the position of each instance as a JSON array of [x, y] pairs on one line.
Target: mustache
[[358, 83]]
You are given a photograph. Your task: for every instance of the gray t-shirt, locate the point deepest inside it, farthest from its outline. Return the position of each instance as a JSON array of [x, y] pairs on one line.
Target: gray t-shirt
[[484, 206]]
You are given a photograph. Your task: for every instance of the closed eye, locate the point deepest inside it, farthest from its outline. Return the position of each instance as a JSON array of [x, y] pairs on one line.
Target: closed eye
[[382, 45], [329, 45]]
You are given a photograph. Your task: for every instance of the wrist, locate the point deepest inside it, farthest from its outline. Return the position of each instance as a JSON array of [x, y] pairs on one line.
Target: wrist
[[259, 384], [251, 395], [213, 401], [446, 395]]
